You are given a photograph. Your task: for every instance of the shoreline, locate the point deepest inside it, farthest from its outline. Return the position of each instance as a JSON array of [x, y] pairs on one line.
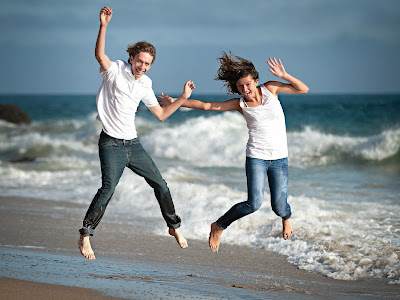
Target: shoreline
[[41, 247], [16, 289]]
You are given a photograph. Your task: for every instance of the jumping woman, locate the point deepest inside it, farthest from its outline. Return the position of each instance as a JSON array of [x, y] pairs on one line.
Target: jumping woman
[[266, 151]]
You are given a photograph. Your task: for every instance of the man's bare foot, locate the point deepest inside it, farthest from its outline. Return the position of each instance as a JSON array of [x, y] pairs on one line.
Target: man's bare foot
[[179, 237], [287, 229], [85, 247], [215, 236]]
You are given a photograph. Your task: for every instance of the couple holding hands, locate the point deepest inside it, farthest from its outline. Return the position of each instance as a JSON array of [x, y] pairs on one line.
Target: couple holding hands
[[125, 85]]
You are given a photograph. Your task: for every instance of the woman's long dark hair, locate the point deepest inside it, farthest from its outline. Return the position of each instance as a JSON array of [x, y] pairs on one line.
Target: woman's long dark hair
[[232, 69]]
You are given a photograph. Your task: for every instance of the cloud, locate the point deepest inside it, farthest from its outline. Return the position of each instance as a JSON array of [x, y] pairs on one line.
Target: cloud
[[206, 22], [287, 22], [311, 35], [43, 22]]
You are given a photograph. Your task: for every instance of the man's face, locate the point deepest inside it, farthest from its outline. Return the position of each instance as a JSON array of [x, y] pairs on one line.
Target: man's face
[[141, 63]]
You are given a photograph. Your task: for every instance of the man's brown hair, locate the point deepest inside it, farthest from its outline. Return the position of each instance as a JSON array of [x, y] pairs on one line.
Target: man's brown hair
[[142, 46]]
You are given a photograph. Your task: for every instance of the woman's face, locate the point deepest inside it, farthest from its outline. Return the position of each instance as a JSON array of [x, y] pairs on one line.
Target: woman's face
[[247, 86]]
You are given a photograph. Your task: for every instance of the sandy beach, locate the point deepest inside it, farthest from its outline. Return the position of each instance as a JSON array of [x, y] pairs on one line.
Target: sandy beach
[[40, 259], [13, 289]]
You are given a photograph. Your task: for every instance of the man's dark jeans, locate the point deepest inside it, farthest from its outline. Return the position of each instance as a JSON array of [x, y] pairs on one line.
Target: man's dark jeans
[[115, 155]]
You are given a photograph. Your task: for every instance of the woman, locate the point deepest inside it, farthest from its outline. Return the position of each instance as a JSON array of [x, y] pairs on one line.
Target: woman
[[266, 152]]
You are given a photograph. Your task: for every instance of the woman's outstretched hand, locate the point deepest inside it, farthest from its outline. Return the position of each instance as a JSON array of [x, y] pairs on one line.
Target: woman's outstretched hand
[[166, 100], [277, 67]]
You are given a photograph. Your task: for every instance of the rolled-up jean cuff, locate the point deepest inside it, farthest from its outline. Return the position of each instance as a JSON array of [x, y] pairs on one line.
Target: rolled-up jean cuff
[[84, 230], [223, 227], [176, 225]]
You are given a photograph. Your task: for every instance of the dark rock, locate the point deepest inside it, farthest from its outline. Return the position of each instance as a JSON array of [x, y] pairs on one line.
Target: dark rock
[[24, 159], [12, 113]]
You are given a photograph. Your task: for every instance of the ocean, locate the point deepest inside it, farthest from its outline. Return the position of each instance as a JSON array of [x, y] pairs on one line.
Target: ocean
[[344, 174]]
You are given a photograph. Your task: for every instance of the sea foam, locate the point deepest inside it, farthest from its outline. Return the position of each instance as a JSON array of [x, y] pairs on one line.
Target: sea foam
[[311, 146], [344, 239], [220, 140]]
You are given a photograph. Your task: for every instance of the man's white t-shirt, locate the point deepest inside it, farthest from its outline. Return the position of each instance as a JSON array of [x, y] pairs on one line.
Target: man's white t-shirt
[[119, 97]]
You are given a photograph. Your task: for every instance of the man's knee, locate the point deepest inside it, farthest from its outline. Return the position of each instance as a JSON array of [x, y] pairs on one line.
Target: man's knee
[[160, 186], [106, 191]]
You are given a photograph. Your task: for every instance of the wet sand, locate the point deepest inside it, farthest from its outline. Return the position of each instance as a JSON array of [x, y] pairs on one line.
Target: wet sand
[[39, 254], [13, 289]]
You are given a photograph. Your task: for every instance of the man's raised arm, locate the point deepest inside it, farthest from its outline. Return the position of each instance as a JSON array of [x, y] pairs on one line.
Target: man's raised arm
[[101, 57]]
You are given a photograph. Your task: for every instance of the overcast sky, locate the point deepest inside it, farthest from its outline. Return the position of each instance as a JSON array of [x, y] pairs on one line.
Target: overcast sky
[[341, 46]]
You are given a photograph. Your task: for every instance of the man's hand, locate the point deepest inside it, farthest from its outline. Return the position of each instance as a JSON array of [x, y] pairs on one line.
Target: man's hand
[[187, 89], [167, 107], [105, 15]]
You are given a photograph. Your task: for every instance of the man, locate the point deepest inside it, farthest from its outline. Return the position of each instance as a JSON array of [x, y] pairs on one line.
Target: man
[[124, 86]]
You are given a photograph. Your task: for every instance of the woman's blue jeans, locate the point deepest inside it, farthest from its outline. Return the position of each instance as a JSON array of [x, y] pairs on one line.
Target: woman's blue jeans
[[256, 171], [115, 155]]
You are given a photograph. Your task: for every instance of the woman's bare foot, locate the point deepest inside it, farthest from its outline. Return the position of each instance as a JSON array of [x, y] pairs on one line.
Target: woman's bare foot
[[179, 237], [85, 247], [215, 236], [287, 229]]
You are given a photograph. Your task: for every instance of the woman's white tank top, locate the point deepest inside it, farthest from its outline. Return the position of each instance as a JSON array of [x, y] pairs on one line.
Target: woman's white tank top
[[267, 128]]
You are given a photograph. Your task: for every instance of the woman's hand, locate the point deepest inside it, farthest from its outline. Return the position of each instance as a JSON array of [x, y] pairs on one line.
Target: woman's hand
[[166, 100], [277, 67], [295, 86]]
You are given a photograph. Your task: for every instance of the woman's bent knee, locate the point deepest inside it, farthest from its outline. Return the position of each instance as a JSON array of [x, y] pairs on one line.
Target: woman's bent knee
[[254, 205]]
